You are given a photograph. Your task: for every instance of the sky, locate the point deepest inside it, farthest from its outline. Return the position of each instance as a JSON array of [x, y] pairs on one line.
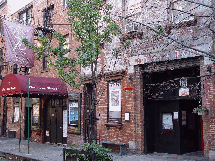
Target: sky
[[17, 4]]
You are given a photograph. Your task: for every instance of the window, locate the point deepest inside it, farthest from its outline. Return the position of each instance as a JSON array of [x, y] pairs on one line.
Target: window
[[36, 110], [25, 16], [47, 16], [66, 46], [15, 69], [114, 101], [1, 29], [3, 5], [65, 3], [182, 11], [15, 110]]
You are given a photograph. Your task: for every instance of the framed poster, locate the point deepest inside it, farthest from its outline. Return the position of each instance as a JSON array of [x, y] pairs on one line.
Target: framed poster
[[73, 113], [167, 122], [114, 115]]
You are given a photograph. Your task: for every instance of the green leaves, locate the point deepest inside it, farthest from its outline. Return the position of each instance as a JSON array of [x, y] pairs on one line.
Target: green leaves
[[84, 16]]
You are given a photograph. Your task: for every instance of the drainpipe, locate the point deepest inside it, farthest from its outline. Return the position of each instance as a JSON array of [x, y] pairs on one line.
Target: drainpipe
[[135, 105]]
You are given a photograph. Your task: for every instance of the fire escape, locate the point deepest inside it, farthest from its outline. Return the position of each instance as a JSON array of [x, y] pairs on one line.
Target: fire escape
[[47, 28]]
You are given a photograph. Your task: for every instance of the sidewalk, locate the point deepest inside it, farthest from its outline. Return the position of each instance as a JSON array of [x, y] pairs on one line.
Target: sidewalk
[[46, 152]]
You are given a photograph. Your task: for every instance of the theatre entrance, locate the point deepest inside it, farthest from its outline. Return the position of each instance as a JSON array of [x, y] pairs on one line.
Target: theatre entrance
[[169, 100], [54, 121]]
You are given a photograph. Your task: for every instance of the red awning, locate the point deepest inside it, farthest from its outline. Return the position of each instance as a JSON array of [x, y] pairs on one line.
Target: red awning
[[17, 84]]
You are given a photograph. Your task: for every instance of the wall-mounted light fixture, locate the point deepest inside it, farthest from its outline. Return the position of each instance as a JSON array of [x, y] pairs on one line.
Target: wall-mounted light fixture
[[208, 70], [130, 78]]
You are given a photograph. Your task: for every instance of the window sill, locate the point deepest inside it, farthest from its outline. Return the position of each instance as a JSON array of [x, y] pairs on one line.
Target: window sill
[[118, 125]]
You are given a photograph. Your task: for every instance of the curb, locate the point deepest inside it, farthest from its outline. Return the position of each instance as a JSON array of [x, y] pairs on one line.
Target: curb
[[11, 156]]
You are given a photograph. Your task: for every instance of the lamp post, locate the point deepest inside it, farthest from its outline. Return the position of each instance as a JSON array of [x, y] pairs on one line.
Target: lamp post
[[28, 114]]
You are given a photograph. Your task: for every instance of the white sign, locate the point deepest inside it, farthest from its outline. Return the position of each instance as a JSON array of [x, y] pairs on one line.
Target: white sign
[[184, 92], [64, 123], [167, 121], [127, 116], [175, 115]]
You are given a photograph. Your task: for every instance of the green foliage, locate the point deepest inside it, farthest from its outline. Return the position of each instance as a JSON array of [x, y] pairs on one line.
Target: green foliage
[[127, 43], [160, 30], [101, 153], [85, 17]]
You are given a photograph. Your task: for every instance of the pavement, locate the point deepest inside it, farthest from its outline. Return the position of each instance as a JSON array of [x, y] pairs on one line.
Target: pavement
[[49, 152]]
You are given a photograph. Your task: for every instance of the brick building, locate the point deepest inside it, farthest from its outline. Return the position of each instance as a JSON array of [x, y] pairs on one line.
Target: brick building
[[146, 95]]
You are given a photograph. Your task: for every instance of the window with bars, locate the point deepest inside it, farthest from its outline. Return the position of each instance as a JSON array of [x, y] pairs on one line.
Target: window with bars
[[25, 16]]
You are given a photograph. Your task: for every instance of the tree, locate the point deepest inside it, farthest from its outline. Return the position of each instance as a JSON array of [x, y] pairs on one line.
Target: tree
[[85, 18]]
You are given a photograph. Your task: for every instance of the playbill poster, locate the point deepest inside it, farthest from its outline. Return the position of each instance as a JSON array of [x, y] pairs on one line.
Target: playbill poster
[[167, 121]]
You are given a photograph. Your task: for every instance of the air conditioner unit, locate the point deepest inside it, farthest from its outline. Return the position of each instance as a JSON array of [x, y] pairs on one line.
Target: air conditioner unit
[[133, 27]]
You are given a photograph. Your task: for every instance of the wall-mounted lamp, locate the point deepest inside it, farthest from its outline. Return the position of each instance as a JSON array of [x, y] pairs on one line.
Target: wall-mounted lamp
[[208, 70], [130, 78]]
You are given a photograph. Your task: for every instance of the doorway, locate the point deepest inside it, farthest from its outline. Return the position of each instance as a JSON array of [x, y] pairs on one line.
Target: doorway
[[171, 127], [54, 131]]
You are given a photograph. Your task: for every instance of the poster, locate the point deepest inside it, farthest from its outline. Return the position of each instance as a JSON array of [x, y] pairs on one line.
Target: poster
[[184, 92], [114, 98], [64, 123], [16, 114], [73, 113], [167, 121]]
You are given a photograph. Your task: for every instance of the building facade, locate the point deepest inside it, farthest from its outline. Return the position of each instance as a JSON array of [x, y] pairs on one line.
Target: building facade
[[147, 96]]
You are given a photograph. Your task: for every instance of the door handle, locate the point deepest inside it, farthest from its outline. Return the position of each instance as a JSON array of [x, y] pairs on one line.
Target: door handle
[[60, 127]]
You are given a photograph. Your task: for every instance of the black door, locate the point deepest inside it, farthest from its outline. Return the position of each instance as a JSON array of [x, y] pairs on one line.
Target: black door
[[54, 131], [167, 129], [190, 127]]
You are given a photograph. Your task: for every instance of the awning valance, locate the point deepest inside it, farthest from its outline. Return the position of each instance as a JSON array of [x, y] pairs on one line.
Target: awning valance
[[17, 84]]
